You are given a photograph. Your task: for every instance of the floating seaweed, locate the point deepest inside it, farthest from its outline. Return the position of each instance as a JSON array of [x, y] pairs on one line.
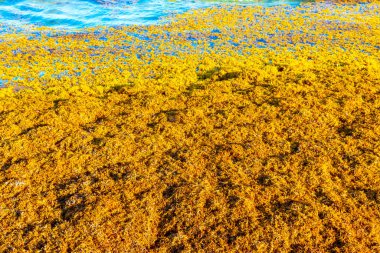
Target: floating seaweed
[[150, 141]]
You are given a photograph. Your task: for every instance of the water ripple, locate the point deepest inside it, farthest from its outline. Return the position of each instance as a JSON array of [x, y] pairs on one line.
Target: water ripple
[[73, 14]]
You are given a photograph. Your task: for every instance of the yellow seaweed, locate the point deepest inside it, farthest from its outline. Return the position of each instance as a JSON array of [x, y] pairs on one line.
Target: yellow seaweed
[[153, 139]]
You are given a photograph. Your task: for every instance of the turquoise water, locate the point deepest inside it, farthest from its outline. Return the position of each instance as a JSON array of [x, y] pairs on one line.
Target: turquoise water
[[74, 14]]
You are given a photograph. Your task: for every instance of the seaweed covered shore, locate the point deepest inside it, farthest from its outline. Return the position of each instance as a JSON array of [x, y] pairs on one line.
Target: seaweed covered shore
[[245, 129]]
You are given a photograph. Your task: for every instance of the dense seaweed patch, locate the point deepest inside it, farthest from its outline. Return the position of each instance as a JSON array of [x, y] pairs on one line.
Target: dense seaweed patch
[[150, 139]]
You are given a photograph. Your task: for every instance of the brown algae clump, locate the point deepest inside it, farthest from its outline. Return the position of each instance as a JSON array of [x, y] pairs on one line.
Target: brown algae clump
[[246, 129]]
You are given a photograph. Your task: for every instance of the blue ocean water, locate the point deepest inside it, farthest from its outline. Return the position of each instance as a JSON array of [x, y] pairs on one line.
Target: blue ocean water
[[74, 14]]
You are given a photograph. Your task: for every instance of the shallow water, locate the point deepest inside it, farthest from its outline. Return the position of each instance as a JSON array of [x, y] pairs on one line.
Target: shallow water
[[73, 14]]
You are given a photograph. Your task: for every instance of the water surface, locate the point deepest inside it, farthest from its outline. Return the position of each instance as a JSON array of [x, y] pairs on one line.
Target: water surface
[[73, 14]]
